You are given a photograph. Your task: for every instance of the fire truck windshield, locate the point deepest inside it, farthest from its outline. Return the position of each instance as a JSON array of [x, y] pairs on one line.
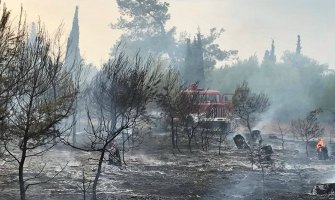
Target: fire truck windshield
[[213, 98]]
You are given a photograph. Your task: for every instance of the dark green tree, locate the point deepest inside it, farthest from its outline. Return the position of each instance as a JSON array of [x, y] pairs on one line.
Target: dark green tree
[[272, 52], [212, 52], [194, 62], [144, 25], [298, 48], [266, 57], [270, 55], [225, 79]]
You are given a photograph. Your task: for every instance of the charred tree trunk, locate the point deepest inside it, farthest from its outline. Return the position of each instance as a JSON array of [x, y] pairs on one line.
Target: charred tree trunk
[[54, 127], [248, 125], [195, 141], [173, 134], [74, 121], [97, 175], [21, 167], [124, 140], [190, 144], [190, 134], [307, 142], [123, 148], [176, 134], [206, 141]]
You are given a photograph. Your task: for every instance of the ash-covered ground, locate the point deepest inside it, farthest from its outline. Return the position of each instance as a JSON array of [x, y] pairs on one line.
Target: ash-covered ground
[[154, 171]]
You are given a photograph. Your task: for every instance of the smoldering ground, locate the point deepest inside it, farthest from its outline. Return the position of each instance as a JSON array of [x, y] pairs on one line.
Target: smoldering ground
[[153, 173]]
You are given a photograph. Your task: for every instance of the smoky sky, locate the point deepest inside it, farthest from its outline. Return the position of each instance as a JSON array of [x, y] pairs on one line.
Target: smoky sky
[[250, 24]]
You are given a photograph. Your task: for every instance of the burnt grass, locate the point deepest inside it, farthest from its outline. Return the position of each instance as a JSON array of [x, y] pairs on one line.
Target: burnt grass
[[155, 171]]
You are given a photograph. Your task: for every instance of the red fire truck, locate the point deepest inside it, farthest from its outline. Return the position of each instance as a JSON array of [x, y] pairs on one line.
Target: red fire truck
[[214, 109]]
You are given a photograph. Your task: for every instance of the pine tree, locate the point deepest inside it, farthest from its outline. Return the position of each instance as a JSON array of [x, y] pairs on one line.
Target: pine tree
[[72, 57], [188, 62], [199, 57], [269, 55], [298, 48], [272, 55], [72, 63], [266, 57], [194, 62]]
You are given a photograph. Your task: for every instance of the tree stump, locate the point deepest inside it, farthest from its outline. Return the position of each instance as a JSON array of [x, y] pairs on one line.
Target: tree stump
[[240, 142]]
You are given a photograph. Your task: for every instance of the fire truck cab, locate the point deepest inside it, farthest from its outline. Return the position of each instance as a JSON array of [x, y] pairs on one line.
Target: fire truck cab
[[214, 109]]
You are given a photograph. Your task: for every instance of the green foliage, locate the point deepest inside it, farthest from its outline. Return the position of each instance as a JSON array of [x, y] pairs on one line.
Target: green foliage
[[147, 17], [295, 85], [194, 62], [269, 56], [298, 48], [328, 94], [226, 79], [144, 25], [212, 51]]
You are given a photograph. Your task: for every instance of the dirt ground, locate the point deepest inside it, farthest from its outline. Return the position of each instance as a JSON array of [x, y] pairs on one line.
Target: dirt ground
[[154, 171]]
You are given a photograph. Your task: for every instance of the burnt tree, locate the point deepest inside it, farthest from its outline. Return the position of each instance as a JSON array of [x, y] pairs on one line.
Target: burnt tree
[[308, 128], [119, 96], [282, 131], [169, 99], [248, 105], [37, 107], [11, 39], [181, 108]]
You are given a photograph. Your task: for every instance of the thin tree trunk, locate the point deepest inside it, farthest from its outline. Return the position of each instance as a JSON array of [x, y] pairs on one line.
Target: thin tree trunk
[[123, 144], [97, 175], [195, 140], [307, 142], [190, 136], [84, 184], [123, 151], [249, 126], [21, 167], [54, 127], [176, 133], [173, 134], [202, 142], [74, 121]]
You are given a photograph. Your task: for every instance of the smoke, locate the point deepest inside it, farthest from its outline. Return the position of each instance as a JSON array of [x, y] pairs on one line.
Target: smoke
[[149, 160], [267, 118], [295, 85]]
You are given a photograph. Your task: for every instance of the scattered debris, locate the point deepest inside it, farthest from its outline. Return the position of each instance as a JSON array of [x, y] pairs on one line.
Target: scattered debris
[[256, 136], [240, 142], [267, 152], [321, 189]]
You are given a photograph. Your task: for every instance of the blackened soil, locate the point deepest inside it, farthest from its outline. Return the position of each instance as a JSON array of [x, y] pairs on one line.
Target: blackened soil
[[156, 172]]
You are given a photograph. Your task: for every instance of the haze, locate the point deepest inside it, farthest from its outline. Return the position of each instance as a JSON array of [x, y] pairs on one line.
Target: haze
[[250, 24]]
